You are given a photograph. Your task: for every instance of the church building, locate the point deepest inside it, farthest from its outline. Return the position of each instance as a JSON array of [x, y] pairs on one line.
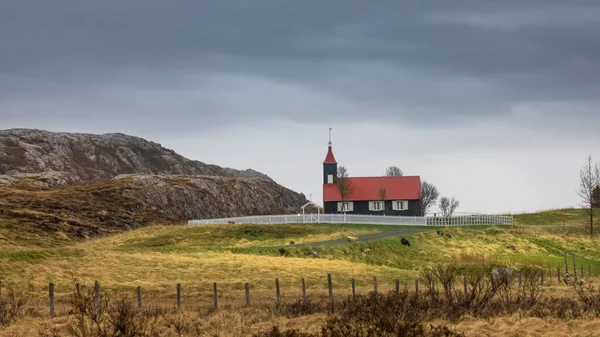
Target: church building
[[370, 195]]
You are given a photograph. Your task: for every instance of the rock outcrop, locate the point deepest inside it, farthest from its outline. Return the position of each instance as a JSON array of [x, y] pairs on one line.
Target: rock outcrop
[[96, 157], [66, 186], [41, 206]]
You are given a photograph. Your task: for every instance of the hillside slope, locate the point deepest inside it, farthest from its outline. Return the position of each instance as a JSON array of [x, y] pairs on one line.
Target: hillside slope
[[94, 157], [59, 211]]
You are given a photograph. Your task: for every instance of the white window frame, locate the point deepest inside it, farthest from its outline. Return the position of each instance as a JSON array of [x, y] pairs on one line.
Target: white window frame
[[330, 178], [400, 205], [348, 206], [376, 205]]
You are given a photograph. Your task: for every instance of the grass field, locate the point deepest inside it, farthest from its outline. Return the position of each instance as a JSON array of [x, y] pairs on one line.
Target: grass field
[[157, 258]]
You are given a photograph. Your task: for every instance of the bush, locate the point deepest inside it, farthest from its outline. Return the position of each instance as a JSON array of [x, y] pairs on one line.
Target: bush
[[275, 332], [301, 308], [12, 306]]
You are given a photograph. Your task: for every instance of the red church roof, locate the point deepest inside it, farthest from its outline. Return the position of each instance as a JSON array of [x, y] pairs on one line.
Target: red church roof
[[367, 188], [330, 159]]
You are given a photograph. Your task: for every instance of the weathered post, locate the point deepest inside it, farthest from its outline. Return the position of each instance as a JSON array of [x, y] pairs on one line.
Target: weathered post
[[247, 289], [330, 286], [558, 273], [375, 285], [397, 286], [51, 297], [178, 296], [542, 278], [139, 297], [97, 295], [353, 290], [303, 290], [520, 279], [574, 268], [582, 274], [465, 284], [417, 287], [277, 293], [566, 263], [215, 297]]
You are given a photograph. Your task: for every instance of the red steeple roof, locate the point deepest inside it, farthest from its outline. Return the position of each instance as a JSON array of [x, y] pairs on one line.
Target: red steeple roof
[[330, 159]]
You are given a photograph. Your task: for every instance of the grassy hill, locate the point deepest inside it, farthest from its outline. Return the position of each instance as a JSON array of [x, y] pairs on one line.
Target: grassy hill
[[158, 257]]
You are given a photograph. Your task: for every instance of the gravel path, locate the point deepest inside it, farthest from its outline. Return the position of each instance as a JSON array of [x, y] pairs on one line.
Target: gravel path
[[386, 234]]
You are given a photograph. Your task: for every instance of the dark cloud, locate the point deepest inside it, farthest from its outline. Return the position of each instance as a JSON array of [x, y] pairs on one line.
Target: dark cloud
[[424, 62]]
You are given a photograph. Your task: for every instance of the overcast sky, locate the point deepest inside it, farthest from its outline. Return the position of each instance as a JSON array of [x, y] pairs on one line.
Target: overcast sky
[[494, 102]]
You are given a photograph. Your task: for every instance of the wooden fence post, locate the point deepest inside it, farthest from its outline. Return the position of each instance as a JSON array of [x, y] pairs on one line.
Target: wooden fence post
[[247, 288], [277, 293], [375, 285], [397, 286], [574, 268], [215, 297], [582, 274], [542, 277], [417, 287], [465, 284], [566, 263], [139, 297], [330, 286], [520, 280], [51, 297], [353, 290], [97, 295], [303, 290], [178, 296], [558, 273]]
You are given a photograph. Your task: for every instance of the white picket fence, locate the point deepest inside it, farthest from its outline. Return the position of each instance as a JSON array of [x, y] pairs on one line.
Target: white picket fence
[[462, 220]]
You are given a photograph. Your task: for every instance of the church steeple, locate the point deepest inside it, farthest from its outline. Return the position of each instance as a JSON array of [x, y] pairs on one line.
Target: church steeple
[[329, 165], [329, 159]]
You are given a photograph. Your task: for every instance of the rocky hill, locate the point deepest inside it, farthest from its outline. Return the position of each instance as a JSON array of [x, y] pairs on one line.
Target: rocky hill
[[56, 187], [59, 210], [96, 157]]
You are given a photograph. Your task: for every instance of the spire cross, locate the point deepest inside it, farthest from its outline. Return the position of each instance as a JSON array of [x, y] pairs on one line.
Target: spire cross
[[329, 137], [310, 197]]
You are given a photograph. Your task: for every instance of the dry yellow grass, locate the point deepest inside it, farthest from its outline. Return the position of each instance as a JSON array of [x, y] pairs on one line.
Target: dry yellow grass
[[157, 258], [523, 327]]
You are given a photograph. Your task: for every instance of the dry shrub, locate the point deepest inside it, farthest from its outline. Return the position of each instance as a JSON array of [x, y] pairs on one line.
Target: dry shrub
[[561, 308], [530, 291], [383, 311], [122, 318], [12, 306], [275, 332], [589, 297], [302, 308], [481, 293]]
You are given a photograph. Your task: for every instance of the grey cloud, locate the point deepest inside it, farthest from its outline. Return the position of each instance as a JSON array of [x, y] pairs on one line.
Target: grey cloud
[[433, 62]]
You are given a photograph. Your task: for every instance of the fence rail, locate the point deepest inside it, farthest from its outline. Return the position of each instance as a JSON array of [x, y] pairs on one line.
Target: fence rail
[[463, 220]]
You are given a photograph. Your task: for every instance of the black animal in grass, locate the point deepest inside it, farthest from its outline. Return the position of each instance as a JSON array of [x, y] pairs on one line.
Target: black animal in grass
[[448, 235], [405, 242]]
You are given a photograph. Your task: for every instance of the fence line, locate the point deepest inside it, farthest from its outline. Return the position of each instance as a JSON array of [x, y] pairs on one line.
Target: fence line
[[461, 220], [546, 280]]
